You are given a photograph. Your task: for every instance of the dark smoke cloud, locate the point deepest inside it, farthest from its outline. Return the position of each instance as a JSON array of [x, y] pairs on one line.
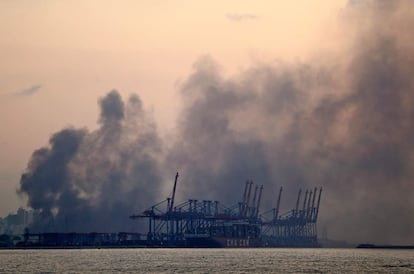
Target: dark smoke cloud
[[48, 176], [345, 126], [91, 181]]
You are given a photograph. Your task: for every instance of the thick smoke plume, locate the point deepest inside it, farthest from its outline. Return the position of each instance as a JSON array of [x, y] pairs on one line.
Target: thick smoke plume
[[344, 124], [91, 181]]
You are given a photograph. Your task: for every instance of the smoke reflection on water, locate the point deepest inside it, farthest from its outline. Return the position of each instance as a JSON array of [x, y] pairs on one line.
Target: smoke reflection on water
[[206, 261]]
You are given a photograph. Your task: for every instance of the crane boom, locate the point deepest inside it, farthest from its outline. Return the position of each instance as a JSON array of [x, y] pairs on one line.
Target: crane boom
[[173, 193], [278, 204], [313, 204], [253, 209], [248, 198], [304, 204], [309, 204], [297, 203], [317, 207], [258, 201]]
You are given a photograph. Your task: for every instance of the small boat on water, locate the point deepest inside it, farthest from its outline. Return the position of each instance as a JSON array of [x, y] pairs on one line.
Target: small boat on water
[[385, 246]]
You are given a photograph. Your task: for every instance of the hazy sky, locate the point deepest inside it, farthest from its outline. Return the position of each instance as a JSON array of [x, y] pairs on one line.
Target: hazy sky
[[59, 57]]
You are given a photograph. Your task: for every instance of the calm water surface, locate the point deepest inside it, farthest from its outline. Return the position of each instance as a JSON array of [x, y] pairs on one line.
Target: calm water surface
[[207, 261]]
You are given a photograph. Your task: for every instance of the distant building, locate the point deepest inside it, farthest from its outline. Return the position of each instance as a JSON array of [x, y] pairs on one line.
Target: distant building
[[14, 224], [2, 226]]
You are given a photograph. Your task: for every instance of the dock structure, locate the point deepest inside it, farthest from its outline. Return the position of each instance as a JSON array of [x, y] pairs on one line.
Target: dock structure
[[295, 228], [81, 240], [207, 223]]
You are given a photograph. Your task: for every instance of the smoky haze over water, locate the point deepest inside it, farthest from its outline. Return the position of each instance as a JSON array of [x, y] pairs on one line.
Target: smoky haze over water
[[345, 124]]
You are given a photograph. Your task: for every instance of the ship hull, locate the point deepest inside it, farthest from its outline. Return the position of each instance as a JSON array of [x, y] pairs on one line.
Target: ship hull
[[222, 242]]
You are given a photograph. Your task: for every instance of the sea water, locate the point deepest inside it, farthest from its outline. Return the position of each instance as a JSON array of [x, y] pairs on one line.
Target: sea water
[[263, 260]]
